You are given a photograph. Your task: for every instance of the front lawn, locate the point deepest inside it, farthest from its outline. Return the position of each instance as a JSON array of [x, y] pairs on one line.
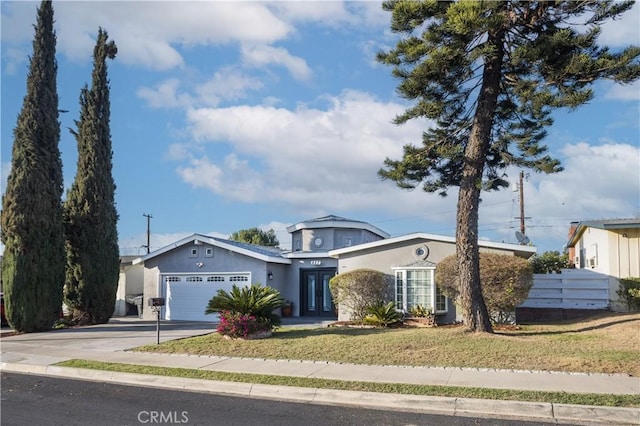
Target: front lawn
[[604, 344]]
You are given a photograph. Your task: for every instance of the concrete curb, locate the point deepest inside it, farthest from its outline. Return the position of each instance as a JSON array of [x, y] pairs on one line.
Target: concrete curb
[[465, 407]]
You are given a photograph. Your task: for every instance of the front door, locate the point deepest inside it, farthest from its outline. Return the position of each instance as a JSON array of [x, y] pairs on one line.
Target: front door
[[316, 297]]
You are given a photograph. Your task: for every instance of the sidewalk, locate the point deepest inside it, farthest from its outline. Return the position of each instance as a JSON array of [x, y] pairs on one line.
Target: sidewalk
[[35, 354]]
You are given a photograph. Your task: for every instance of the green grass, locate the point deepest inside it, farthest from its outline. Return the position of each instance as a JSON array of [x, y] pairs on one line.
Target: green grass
[[605, 344], [396, 388]]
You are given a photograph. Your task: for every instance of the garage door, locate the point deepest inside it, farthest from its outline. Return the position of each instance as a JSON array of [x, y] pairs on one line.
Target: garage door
[[187, 296]]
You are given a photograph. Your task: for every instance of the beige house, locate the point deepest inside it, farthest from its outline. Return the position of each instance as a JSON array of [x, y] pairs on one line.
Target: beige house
[[609, 248]]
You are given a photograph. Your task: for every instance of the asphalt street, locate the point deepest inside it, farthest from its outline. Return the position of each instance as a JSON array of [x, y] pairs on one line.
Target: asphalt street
[[37, 400]]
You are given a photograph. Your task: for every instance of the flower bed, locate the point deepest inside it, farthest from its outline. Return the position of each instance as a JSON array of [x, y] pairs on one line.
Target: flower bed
[[252, 336], [234, 325]]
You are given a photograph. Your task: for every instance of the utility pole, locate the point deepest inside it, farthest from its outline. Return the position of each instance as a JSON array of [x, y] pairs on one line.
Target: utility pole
[[521, 195], [522, 203], [148, 216]]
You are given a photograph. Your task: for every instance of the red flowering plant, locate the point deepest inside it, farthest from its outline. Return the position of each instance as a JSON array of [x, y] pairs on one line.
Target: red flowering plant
[[246, 311], [237, 325]]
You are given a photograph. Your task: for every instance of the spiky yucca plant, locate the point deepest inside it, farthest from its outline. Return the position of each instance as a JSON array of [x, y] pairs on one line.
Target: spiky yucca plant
[[257, 300], [382, 314]]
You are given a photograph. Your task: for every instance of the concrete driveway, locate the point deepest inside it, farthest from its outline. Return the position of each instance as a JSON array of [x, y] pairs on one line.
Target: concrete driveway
[[117, 335]]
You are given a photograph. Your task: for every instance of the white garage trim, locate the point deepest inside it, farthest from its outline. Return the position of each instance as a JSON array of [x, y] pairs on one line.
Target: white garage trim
[[187, 294]]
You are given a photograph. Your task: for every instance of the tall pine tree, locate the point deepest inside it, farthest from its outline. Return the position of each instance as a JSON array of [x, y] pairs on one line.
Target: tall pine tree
[[489, 74], [90, 215], [32, 230]]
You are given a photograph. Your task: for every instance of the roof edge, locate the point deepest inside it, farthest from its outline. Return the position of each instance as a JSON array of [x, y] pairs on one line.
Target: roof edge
[[214, 242], [342, 223], [442, 238]]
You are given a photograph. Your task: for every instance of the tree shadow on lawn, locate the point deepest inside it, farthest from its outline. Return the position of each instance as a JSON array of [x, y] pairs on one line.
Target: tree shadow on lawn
[[600, 326], [302, 333]]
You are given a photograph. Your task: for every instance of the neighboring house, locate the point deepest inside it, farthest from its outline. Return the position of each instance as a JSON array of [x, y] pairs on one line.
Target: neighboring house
[[611, 247], [608, 248], [130, 284], [189, 272]]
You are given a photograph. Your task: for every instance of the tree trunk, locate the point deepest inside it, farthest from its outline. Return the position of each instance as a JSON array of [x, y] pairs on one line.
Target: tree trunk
[[474, 311]]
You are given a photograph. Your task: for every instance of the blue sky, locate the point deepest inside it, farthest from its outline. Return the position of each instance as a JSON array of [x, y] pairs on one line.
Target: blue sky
[[230, 115]]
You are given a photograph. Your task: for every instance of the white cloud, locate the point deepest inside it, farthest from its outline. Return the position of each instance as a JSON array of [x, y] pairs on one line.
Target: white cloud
[[623, 31], [14, 60], [598, 182], [628, 92], [165, 95], [178, 152], [201, 173], [604, 180], [227, 84], [152, 54], [302, 157], [147, 32], [18, 19], [333, 13], [336, 14], [263, 55]]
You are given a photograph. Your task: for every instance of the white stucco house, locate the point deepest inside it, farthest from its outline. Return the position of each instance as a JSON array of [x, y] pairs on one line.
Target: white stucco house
[[130, 284], [609, 249], [190, 271]]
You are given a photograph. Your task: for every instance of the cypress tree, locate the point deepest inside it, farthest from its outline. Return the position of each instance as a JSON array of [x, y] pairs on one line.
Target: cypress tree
[[90, 215], [489, 74], [32, 229]]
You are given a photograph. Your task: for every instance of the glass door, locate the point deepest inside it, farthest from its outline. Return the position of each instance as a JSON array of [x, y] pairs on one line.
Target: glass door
[[316, 296]]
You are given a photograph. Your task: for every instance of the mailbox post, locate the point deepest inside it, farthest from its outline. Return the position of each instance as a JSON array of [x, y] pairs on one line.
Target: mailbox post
[[156, 303]]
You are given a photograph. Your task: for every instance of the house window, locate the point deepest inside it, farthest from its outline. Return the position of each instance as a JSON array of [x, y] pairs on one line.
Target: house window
[[416, 287], [348, 241], [400, 290], [208, 252], [441, 301], [193, 252]]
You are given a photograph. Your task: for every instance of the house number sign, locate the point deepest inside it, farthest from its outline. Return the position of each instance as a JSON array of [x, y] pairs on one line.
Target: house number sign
[[316, 262]]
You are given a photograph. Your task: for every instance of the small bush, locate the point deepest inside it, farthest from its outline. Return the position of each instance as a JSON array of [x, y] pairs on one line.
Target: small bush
[[382, 314], [358, 289], [505, 281], [420, 311], [237, 325], [629, 292], [549, 262]]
